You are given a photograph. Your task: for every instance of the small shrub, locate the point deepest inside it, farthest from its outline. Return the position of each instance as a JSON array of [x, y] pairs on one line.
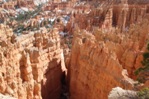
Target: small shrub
[[143, 72], [143, 94]]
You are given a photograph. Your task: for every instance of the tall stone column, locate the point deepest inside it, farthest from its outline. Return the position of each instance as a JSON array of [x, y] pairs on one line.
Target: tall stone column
[[123, 14]]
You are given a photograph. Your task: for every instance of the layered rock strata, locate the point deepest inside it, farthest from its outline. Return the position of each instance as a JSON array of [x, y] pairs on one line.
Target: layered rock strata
[[108, 43], [99, 57], [98, 60], [30, 65]]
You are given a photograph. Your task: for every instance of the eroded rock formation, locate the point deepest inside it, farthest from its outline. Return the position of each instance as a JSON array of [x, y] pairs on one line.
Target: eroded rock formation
[[102, 41], [98, 60], [30, 64]]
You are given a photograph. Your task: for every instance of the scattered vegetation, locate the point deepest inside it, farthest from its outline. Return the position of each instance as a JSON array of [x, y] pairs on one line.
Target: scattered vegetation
[[29, 14], [143, 75], [69, 44], [19, 28], [23, 17], [143, 72], [143, 94]]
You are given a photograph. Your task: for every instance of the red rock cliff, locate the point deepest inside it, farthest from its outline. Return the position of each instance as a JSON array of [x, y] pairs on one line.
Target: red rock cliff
[[98, 60], [30, 65]]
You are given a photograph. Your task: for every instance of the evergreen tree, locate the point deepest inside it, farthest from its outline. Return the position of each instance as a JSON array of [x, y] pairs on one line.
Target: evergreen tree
[[143, 72]]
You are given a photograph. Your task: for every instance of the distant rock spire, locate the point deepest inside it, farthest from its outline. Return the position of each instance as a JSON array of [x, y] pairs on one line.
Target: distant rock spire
[[124, 1]]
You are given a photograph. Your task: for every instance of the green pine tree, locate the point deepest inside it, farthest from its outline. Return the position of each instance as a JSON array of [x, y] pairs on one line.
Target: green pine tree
[[143, 72]]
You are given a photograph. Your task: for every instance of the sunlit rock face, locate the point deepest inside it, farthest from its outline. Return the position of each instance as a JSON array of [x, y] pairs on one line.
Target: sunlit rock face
[[30, 64], [5, 97], [102, 41], [99, 57], [91, 75], [98, 61]]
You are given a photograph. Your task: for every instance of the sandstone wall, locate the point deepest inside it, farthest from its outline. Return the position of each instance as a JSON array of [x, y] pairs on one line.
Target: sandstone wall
[[126, 14], [99, 57], [120, 15], [91, 70], [98, 60], [30, 64]]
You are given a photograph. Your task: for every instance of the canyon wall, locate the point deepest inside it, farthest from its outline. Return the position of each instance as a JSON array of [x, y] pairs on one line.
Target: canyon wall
[[124, 15], [30, 64], [100, 60], [120, 15], [93, 70], [108, 42]]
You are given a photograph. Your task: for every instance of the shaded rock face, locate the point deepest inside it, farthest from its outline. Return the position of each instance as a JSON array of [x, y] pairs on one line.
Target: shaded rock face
[[124, 15], [30, 64], [138, 1]]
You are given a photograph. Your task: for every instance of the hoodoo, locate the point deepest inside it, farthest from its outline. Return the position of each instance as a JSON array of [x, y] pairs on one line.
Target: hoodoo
[[74, 49]]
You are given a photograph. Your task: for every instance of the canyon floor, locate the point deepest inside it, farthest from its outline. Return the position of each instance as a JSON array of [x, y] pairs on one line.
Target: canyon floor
[[73, 49]]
